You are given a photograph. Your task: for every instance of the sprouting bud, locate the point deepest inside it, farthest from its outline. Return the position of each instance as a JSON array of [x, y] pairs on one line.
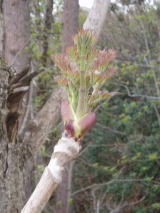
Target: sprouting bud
[[83, 72], [104, 57]]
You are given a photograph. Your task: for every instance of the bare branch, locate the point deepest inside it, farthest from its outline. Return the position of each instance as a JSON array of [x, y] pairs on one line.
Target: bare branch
[[99, 185], [110, 129], [123, 205], [137, 95], [20, 89]]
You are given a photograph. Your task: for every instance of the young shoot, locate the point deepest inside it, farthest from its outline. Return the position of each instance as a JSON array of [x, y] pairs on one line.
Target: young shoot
[[83, 72]]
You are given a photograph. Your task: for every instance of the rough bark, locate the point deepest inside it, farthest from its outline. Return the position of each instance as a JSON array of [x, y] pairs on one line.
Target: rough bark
[[12, 177], [16, 33], [3, 137], [16, 17], [1, 34], [12, 156]]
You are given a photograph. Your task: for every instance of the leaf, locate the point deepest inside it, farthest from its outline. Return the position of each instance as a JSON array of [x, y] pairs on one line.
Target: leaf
[[87, 122], [156, 205], [66, 112], [95, 165], [153, 156]]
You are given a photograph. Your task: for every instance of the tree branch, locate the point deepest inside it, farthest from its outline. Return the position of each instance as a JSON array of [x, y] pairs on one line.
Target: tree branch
[[65, 150], [97, 16], [99, 185]]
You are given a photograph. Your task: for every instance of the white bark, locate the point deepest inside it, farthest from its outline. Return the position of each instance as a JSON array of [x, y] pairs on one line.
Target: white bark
[[97, 16], [65, 150]]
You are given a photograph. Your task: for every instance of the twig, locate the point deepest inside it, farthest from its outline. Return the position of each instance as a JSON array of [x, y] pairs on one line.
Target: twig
[[99, 185], [137, 95], [110, 129]]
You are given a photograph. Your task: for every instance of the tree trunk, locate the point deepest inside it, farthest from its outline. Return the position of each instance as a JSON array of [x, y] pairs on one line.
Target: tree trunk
[[46, 32], [70, 22], [12, 154], [16, 33], [70, 27]]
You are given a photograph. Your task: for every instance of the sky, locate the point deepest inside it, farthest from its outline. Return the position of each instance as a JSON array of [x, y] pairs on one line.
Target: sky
[[86, 3]]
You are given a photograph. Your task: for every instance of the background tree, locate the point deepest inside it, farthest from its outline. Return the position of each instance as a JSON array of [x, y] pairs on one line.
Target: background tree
[[16, 72], [15, 67], [69, 28]]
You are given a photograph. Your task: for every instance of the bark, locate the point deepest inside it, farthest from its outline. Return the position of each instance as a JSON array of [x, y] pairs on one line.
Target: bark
[[70, 22], [1, 34], [65, 150], [14, 84], [97, 15], [4, 75], [16, 33], [16, 15]]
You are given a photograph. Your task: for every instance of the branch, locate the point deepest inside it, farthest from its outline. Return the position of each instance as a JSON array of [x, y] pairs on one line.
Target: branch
[[99, 185], [65, 150], [137, 95], [124, 205], [110, 129], [97, 16]]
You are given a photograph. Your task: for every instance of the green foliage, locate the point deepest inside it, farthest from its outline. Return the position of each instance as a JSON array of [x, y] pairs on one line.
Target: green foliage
[[124, 144]]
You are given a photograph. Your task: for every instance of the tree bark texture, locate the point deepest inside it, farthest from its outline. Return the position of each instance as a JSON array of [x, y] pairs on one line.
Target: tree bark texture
[[16, 33], [12, 153], [70, 22], [12, 189], [97, 15]]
